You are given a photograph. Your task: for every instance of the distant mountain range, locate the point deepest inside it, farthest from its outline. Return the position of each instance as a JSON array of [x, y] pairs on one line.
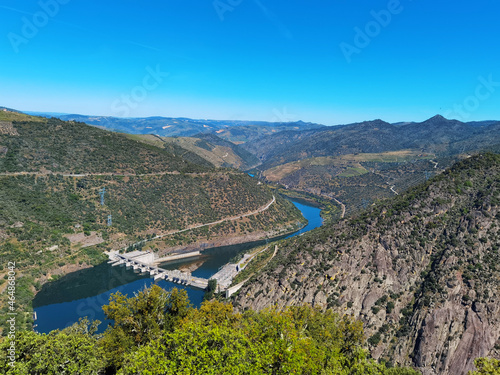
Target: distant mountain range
[[360, 163], [437, 135], [185, 127], [374, 135]]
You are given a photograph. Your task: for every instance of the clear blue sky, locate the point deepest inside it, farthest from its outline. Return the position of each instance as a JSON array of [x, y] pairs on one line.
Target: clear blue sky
[[253, 59]]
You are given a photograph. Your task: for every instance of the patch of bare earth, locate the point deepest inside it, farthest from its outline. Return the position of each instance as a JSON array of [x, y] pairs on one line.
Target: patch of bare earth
[[7, 128], [84, 241]]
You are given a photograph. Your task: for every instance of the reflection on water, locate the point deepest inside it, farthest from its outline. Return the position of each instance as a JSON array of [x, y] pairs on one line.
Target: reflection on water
[[61, 303], [85, 283], [62, 315]]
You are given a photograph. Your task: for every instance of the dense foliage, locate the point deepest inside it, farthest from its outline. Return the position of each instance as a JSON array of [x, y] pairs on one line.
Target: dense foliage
[[157, 332]]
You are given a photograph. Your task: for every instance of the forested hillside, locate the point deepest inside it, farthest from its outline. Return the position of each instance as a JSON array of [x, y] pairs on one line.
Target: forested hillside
[[52, 145], [420, 270]]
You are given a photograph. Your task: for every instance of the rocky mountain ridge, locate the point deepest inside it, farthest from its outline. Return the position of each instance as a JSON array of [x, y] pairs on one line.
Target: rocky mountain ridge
[[231, 130], [421, 271]]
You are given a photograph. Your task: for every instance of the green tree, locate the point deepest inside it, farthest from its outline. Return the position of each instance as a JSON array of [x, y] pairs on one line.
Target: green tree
[[211, 288], [157, 332], [71, 351], [300, 340], [178, 307], [141, 319]]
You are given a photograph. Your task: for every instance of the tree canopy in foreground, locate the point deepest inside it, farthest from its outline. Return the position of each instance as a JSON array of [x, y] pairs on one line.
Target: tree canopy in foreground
[[158, 332]]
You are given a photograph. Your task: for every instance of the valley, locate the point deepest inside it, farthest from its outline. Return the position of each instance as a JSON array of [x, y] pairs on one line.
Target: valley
[[409, 240], [87, 290], [53, 221], [256, 187]]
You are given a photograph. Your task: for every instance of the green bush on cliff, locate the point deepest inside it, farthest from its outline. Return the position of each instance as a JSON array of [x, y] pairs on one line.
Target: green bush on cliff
[[486, 366]]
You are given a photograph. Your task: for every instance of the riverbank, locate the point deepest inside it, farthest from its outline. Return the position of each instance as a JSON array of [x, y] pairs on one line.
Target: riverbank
[[331, 211], [230, 240]]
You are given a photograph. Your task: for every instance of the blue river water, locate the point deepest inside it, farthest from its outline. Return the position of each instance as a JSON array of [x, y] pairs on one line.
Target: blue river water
[[61, 303]]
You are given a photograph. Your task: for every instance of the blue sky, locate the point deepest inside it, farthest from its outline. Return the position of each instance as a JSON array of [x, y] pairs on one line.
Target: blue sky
[[321, 61]]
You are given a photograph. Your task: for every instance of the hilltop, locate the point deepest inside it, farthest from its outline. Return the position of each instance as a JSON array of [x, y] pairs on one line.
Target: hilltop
[[52, 145], [9, 115], [420, 270], [204, 148]]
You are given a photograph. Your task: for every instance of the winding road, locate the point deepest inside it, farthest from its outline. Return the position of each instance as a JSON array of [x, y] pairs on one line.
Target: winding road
[[232, 218], [341, 205]]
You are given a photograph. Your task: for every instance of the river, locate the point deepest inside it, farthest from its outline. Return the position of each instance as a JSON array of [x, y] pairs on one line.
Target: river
[[83, 293]]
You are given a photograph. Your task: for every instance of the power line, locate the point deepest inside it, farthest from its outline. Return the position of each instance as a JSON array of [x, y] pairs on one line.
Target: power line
[[365, 203], [101, 193]]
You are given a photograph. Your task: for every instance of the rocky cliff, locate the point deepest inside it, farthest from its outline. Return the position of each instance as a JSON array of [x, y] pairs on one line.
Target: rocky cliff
[[421, 271]]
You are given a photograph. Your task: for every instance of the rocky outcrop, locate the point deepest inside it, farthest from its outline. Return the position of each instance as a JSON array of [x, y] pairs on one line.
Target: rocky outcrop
[[422, 271]]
